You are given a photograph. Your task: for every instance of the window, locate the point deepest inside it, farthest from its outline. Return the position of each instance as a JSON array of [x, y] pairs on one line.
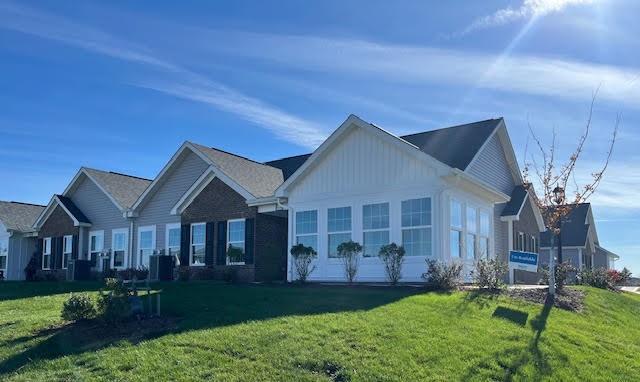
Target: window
[[119, 241], [455, 235], [483, 241], [172, 240], [46, 253], [375, 227], [67, 249], [96, 246], [4, 254], [470, 244], [198, 236], [534, 244], [146, 244], [307, 228], [416, 226], [338, 227], [235, 242], [520, 243]]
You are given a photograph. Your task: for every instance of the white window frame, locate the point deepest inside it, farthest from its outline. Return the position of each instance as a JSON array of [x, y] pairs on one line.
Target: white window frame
[[364, 231], [486, 237], [191, 245], [316, 234], [115, 232], [229, 242], [65, 238], [329, 232], [100, 234], [459, 229], [44, 253], [6, 261], [520, 242], [429, 227], [146, 228], [168, 247]]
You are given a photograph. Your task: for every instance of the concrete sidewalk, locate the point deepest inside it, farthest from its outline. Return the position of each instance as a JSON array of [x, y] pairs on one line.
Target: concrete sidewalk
[[630, 289]]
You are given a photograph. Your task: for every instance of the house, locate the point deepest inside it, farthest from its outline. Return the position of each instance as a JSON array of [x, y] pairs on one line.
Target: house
[[580, 243], [196, 210], [88, 219], [452, 194], [17, 237]]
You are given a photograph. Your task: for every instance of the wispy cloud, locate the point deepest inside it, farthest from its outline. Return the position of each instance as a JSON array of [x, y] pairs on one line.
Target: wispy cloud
[[176, 79], [528, 9]]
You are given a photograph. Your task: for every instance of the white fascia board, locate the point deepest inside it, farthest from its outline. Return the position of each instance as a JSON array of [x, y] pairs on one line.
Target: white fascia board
[[461, 179], [75, 179]]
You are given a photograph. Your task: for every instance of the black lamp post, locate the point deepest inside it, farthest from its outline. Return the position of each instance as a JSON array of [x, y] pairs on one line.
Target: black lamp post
[[558, 194]]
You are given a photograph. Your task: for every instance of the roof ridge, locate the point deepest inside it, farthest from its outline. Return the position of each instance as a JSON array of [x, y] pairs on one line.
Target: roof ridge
[[289, 157], [115, 173], [232, 154], [22, 203], [451, 127]]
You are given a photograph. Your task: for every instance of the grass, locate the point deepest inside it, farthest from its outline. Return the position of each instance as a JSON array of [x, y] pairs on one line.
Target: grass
[[321, 333]]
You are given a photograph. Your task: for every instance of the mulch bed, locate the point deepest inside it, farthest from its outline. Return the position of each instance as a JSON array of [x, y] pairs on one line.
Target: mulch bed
[[567, 299]]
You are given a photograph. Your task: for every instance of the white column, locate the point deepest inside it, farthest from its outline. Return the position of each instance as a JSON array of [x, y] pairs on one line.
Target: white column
[[580, 259]]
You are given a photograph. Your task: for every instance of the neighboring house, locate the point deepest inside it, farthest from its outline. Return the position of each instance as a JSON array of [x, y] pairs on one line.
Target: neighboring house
[[17, 237], [441, 194], [580, 244], [89, 218], [196, 209]]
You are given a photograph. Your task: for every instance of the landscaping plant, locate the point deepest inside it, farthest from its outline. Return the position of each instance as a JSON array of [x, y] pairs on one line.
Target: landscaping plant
[[302, 261], [78, 307], [489, 274], [350, 254], [598, 278], [442, 276], [113, 302], [563, 271], [393, 256]]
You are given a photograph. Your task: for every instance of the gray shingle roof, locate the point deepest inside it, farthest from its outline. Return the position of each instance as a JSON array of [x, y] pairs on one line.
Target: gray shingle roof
[[288, 165], [125, 189], [574, 229], [454, 146], [73, 209], [518, 197], [19, 216], [257, 178]]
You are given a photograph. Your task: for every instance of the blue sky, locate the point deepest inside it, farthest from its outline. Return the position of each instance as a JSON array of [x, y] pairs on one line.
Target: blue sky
[[120, 85]]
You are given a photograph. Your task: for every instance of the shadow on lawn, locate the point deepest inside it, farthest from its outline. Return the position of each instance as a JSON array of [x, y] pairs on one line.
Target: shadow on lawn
[[513, 360], [205, 305], [14, 290]]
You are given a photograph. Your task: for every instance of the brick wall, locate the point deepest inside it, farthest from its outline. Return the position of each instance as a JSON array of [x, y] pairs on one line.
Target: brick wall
[[58, 224]]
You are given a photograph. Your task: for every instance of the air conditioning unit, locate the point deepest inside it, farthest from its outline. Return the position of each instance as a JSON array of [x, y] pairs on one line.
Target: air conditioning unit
[[160, 268], [79, 270]]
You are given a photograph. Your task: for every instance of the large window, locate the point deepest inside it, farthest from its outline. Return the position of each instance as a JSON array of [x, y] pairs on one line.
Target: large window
[[235, 241], [96, 246], [338, 228], [119, 242], [483, 241], [198, 236], [416, 226], [172, 240], [470, 245], [4, 254], [67, 250], [455, 234], [307, 228], [146, 244], [46, 253], [375, 227]]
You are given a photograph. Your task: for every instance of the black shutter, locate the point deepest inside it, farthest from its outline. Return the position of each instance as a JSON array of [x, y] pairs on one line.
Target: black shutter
[[38, 254], [221, 250], [209, 243], [185, 237], [74, 247], [248, 240], [58, 254]]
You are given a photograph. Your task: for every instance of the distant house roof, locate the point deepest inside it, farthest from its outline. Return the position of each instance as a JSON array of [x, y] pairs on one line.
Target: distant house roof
[[124, 189], [258, 179], [18, 216], [514, 205], [288, 165], [73, 209], [575, 229]]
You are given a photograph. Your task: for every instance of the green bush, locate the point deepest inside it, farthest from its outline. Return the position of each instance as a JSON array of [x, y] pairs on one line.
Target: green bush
[[230, 275], [113, 302], [302, 260], [392, 255], [184, 273], [78, 307], [350, 254], [598, 278], [442, 276], [563, 270], [489, 274]]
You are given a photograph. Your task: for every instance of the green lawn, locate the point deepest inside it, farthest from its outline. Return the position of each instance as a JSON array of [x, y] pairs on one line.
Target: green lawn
[[280, 333]]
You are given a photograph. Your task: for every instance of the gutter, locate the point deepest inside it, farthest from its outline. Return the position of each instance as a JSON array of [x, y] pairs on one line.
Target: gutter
[[458, 175]]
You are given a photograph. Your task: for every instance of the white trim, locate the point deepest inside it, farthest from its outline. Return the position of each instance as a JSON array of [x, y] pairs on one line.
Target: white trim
[[229, 241], [191, 264], [44, 246], [329, 233], [51, 206], [64, 242], [167, 228], [138, 256], [114, 232], [470, 183], [96, 233], [6, 263]]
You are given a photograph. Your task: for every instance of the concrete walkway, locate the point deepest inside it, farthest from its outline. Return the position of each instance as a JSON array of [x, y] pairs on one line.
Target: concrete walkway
[[631, 289]]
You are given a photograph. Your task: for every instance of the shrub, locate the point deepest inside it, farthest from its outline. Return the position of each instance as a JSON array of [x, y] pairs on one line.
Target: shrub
[[184, 274], [442, 276], [140, 273], [78, 307], [619, 277], [392, 256], [598, 278], [489, 274], [32, 268], [302, 260], [202, 273], [113, 302], [230, 275], [109, 273], [350, 254], [563, 270]]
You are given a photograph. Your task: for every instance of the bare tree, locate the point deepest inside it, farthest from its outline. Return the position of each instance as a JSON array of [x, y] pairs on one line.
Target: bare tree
[[552, 177]]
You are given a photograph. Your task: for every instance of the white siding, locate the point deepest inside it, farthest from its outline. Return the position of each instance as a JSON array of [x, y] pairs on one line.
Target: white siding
[[157, 209], [492, 168], [20, 251]]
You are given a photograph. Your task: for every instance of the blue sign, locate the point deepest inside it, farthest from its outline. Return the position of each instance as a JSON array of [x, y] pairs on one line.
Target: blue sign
[[525, 261]]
